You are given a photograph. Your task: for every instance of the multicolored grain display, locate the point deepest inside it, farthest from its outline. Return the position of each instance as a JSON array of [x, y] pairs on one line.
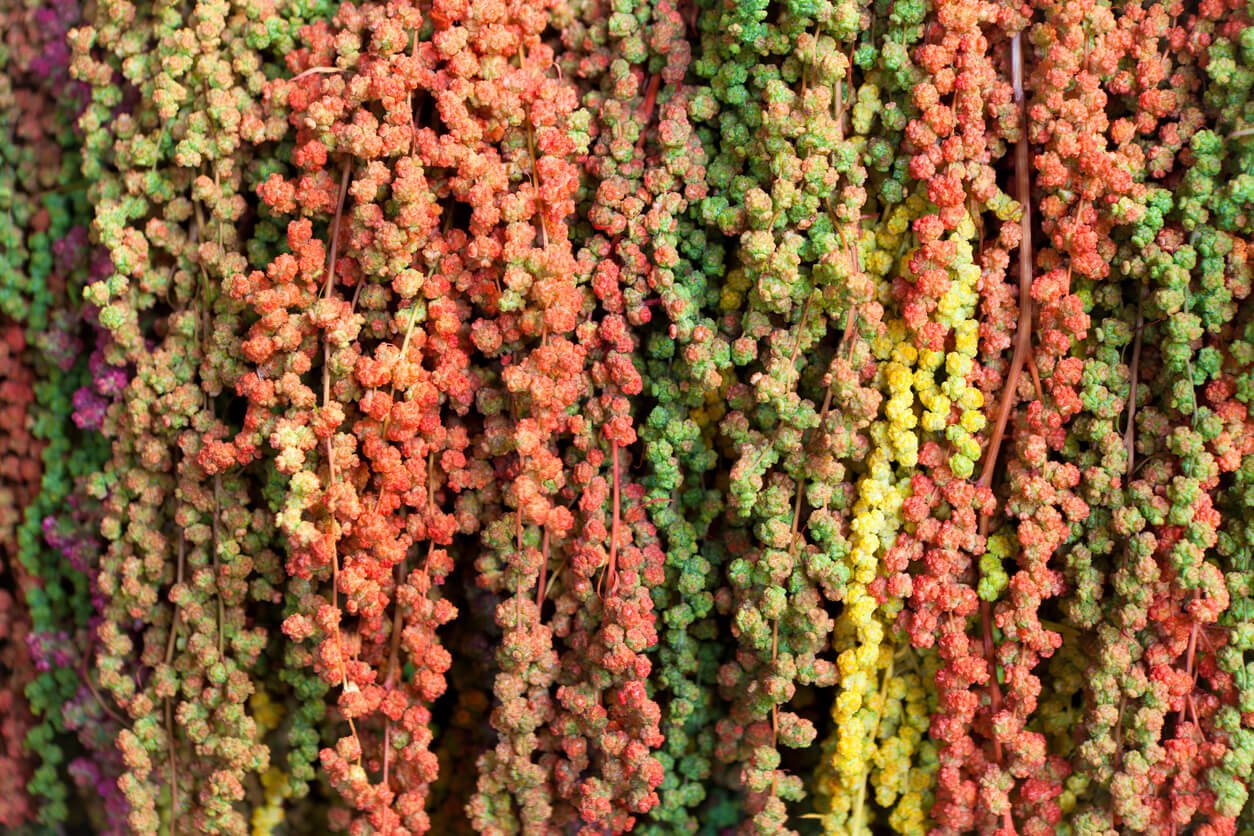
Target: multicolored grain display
[[603, 416]]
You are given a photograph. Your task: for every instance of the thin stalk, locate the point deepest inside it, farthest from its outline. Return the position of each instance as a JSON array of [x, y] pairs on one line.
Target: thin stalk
[[1130, 431], [1022, 349]]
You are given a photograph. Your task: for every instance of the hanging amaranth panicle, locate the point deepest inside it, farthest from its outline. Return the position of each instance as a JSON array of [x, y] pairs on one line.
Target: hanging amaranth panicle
[[378, 456], [188, 554], [572, 528]]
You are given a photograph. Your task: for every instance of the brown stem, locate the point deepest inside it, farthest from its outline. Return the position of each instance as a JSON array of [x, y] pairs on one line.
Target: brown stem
[[335, 229], [646, 112], [518, 593], [393, 665], [1023, 330], [316, 71], [174, 622], [1123, 701], [774, 658], [217, 568], [1036, 377], [847, 338], [331, 471], [792, 364], [1022, 350], [387, 750], [838, 104], [413, 115], [1189, 659], [542, 227], [174, 770], [986, 621], [169, 707], [990, 654], [611, 566], [394, 652], [409, 332], [91, 688], [650, 99], [217, 184], [859, 804], [1130, 432], [541, 587]]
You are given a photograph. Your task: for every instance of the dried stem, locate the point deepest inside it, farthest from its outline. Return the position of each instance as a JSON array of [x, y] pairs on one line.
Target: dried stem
[[169, 707], [1129, 434], [331, 470], [611, 566], [1022, 351]]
